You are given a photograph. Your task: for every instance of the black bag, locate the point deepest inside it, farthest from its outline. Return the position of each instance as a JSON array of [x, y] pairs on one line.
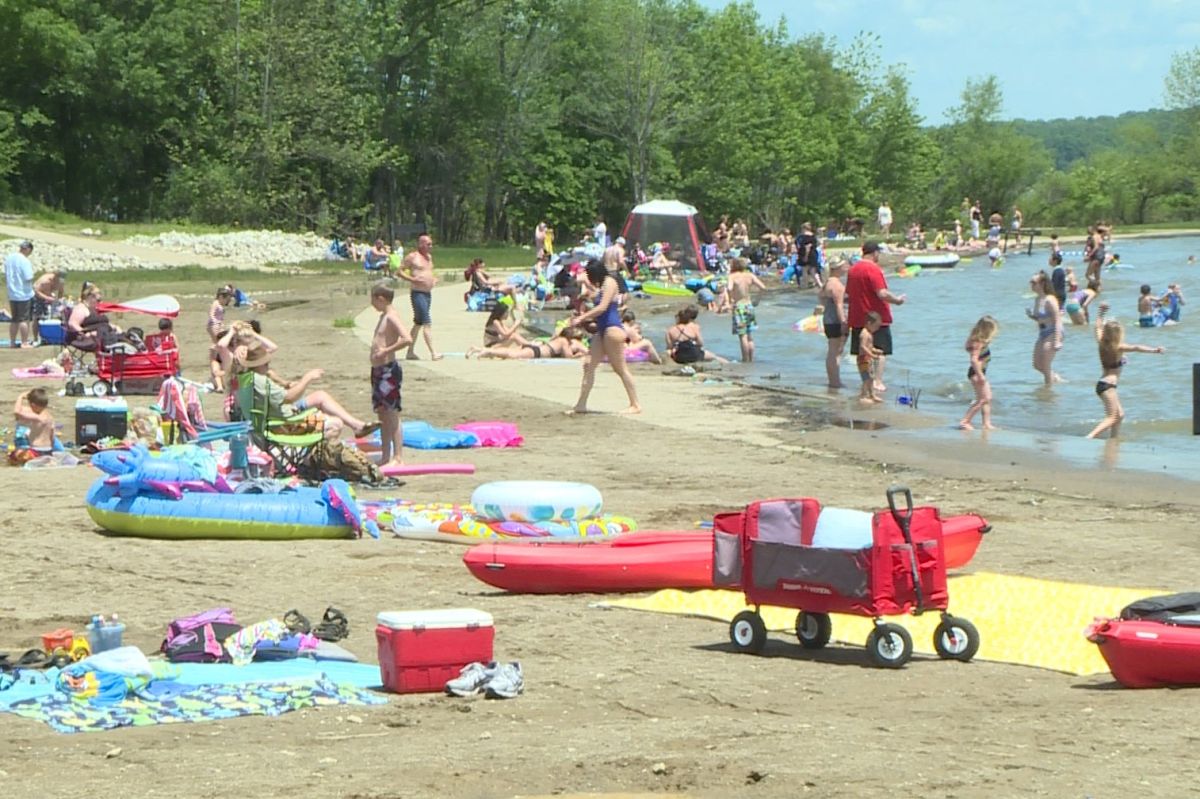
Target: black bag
[[1164, 608]]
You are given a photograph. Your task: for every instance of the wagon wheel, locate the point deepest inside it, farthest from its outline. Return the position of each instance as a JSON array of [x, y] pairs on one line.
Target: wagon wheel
[[748, 632], [813, 629], [100, 388], [889, 646], [955, 639]]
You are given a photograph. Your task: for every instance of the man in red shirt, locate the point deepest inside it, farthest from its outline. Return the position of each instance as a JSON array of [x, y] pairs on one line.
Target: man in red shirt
[[867, 289]]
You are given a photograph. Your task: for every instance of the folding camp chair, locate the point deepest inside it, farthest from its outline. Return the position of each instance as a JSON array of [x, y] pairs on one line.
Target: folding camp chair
[[288, 449]]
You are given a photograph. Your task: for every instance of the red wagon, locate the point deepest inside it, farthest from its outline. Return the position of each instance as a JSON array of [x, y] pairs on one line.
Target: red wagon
[[776, 553], [122, 372]]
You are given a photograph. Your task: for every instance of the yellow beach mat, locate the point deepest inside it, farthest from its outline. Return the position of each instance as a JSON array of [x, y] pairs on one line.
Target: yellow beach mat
[[1020, 620]]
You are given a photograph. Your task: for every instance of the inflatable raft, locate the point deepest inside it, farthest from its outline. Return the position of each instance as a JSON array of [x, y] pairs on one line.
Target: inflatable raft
[[461, 524], [1154, 644], [941, 260], [325, 512], [644, 561]]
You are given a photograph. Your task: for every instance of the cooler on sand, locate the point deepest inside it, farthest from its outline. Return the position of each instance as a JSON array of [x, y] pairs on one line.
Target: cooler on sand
[[100, 418], [421, 650], [51, 331]]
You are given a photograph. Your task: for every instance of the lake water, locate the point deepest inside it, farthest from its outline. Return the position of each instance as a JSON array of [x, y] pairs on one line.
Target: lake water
[[931, 327]]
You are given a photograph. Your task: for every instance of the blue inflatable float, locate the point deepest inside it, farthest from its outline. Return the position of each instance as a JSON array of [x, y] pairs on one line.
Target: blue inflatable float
[[325, 512]]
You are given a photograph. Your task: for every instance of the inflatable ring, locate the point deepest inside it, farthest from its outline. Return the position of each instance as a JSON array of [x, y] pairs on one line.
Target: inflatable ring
[[536, 501]]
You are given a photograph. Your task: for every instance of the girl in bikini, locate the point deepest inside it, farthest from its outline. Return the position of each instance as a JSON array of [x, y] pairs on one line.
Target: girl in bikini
[[1111, 338], [978, 347], [1050, 335], [685, 344], [496, 334], [564, 344]]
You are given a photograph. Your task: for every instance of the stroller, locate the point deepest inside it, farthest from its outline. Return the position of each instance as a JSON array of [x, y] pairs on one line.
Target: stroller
[[790, 553], [131, 363]]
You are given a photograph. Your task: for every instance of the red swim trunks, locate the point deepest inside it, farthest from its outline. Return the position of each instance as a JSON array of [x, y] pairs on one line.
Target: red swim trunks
[[385, 386]]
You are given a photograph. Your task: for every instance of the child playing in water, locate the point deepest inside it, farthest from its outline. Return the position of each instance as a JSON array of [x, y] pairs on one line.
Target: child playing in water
[[979, 350], [32, 409], [868, 354], [744, 323]]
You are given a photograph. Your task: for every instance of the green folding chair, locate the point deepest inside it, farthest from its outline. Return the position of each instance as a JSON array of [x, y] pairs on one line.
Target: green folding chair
[[288, 450]]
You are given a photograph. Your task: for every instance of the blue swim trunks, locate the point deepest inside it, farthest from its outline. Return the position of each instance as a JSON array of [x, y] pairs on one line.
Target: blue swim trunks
[[421, 302]]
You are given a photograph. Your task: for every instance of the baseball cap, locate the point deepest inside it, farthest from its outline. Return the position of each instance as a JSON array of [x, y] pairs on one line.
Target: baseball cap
[[620, 239], [27, 245], [870, 247]]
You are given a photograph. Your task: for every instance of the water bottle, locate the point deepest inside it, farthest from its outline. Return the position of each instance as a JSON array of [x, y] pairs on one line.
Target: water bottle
[[238, 458], [904, 399]]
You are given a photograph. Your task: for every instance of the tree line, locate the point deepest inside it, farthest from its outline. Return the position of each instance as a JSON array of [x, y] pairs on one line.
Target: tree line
[[479, 118]]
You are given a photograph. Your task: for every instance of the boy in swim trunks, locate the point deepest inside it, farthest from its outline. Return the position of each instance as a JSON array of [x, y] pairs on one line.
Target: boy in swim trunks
[[32, 409], [744, 323], [386, 375]]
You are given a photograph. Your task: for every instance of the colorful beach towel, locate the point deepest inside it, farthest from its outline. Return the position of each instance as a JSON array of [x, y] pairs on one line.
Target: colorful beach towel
[[169, 702]]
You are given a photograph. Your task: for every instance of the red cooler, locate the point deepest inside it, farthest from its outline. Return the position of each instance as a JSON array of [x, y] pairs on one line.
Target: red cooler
[[420, 650]]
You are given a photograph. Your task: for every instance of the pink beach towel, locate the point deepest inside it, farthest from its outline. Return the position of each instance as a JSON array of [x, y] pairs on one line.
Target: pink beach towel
[[493, 434]]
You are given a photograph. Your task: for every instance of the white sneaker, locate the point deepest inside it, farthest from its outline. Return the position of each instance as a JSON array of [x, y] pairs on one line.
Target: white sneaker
[[471, 679], [508, 682]]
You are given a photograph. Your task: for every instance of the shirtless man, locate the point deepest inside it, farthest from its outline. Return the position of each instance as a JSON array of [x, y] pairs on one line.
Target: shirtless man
[[386, 376], [47, 291], [744, 323], [417, 269]]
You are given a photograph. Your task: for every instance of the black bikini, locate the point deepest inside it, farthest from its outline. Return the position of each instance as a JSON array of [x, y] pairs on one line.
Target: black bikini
[[1104, 385]]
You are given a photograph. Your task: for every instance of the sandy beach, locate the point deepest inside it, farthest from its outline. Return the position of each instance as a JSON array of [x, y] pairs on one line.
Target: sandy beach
[[615, 701]]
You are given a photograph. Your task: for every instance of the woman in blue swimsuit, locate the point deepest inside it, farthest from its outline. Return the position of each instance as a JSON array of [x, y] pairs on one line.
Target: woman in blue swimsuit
[[1111, 338], [609, 339], [1050, 333]]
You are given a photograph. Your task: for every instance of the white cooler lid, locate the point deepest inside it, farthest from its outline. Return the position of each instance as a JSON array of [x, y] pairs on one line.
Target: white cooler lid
[[442, 619], [102, 404]]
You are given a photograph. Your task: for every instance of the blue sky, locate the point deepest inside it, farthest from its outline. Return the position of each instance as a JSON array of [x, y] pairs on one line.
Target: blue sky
[[1053, 58]]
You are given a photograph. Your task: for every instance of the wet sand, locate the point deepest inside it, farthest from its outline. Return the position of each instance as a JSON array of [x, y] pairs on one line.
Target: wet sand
[[615, 701]]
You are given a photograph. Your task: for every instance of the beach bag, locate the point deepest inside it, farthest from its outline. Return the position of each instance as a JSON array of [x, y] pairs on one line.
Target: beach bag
[[331, 458], [200, 638]]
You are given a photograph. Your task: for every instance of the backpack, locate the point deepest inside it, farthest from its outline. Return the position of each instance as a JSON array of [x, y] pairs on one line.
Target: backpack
[[331, 458], [200, 638]]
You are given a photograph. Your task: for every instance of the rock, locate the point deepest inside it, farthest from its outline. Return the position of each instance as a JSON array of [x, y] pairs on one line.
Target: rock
[[114, 752], [659, 768]]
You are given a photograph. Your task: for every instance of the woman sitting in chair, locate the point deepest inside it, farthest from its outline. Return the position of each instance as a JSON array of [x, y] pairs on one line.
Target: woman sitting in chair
[[87, 328], [284, 402]]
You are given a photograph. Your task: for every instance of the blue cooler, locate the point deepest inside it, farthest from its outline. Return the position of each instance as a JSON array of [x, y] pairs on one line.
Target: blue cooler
[[97, 418], [52, 331]]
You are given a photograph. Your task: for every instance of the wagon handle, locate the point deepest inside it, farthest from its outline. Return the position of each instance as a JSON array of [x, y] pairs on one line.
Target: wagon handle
[[903, 520], [908, 507]]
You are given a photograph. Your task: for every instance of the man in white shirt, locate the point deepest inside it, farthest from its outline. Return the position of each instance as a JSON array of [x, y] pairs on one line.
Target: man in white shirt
[[600, 232], [18, 273]]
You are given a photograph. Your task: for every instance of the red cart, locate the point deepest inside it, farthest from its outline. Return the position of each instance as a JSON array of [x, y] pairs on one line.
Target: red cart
[[772, 551]]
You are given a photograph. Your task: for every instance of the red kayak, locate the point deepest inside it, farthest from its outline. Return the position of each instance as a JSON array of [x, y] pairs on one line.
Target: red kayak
[[1142, 653], [643, 561]]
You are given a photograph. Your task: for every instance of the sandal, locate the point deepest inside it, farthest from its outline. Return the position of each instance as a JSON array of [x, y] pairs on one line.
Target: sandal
[[33, 659], [297, 622], [369, 429], [333, 627]]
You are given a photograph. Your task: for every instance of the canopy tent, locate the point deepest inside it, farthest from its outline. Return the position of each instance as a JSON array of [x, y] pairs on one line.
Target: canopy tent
[[670, 222]]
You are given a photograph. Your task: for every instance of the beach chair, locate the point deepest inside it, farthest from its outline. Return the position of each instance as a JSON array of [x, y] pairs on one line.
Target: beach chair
[[288, 449]]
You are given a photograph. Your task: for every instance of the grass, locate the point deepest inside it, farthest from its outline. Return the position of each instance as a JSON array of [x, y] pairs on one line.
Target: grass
[[344, 322]]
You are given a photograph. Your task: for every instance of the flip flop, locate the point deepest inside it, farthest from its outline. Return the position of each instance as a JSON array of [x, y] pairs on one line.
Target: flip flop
[[369, 429]]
